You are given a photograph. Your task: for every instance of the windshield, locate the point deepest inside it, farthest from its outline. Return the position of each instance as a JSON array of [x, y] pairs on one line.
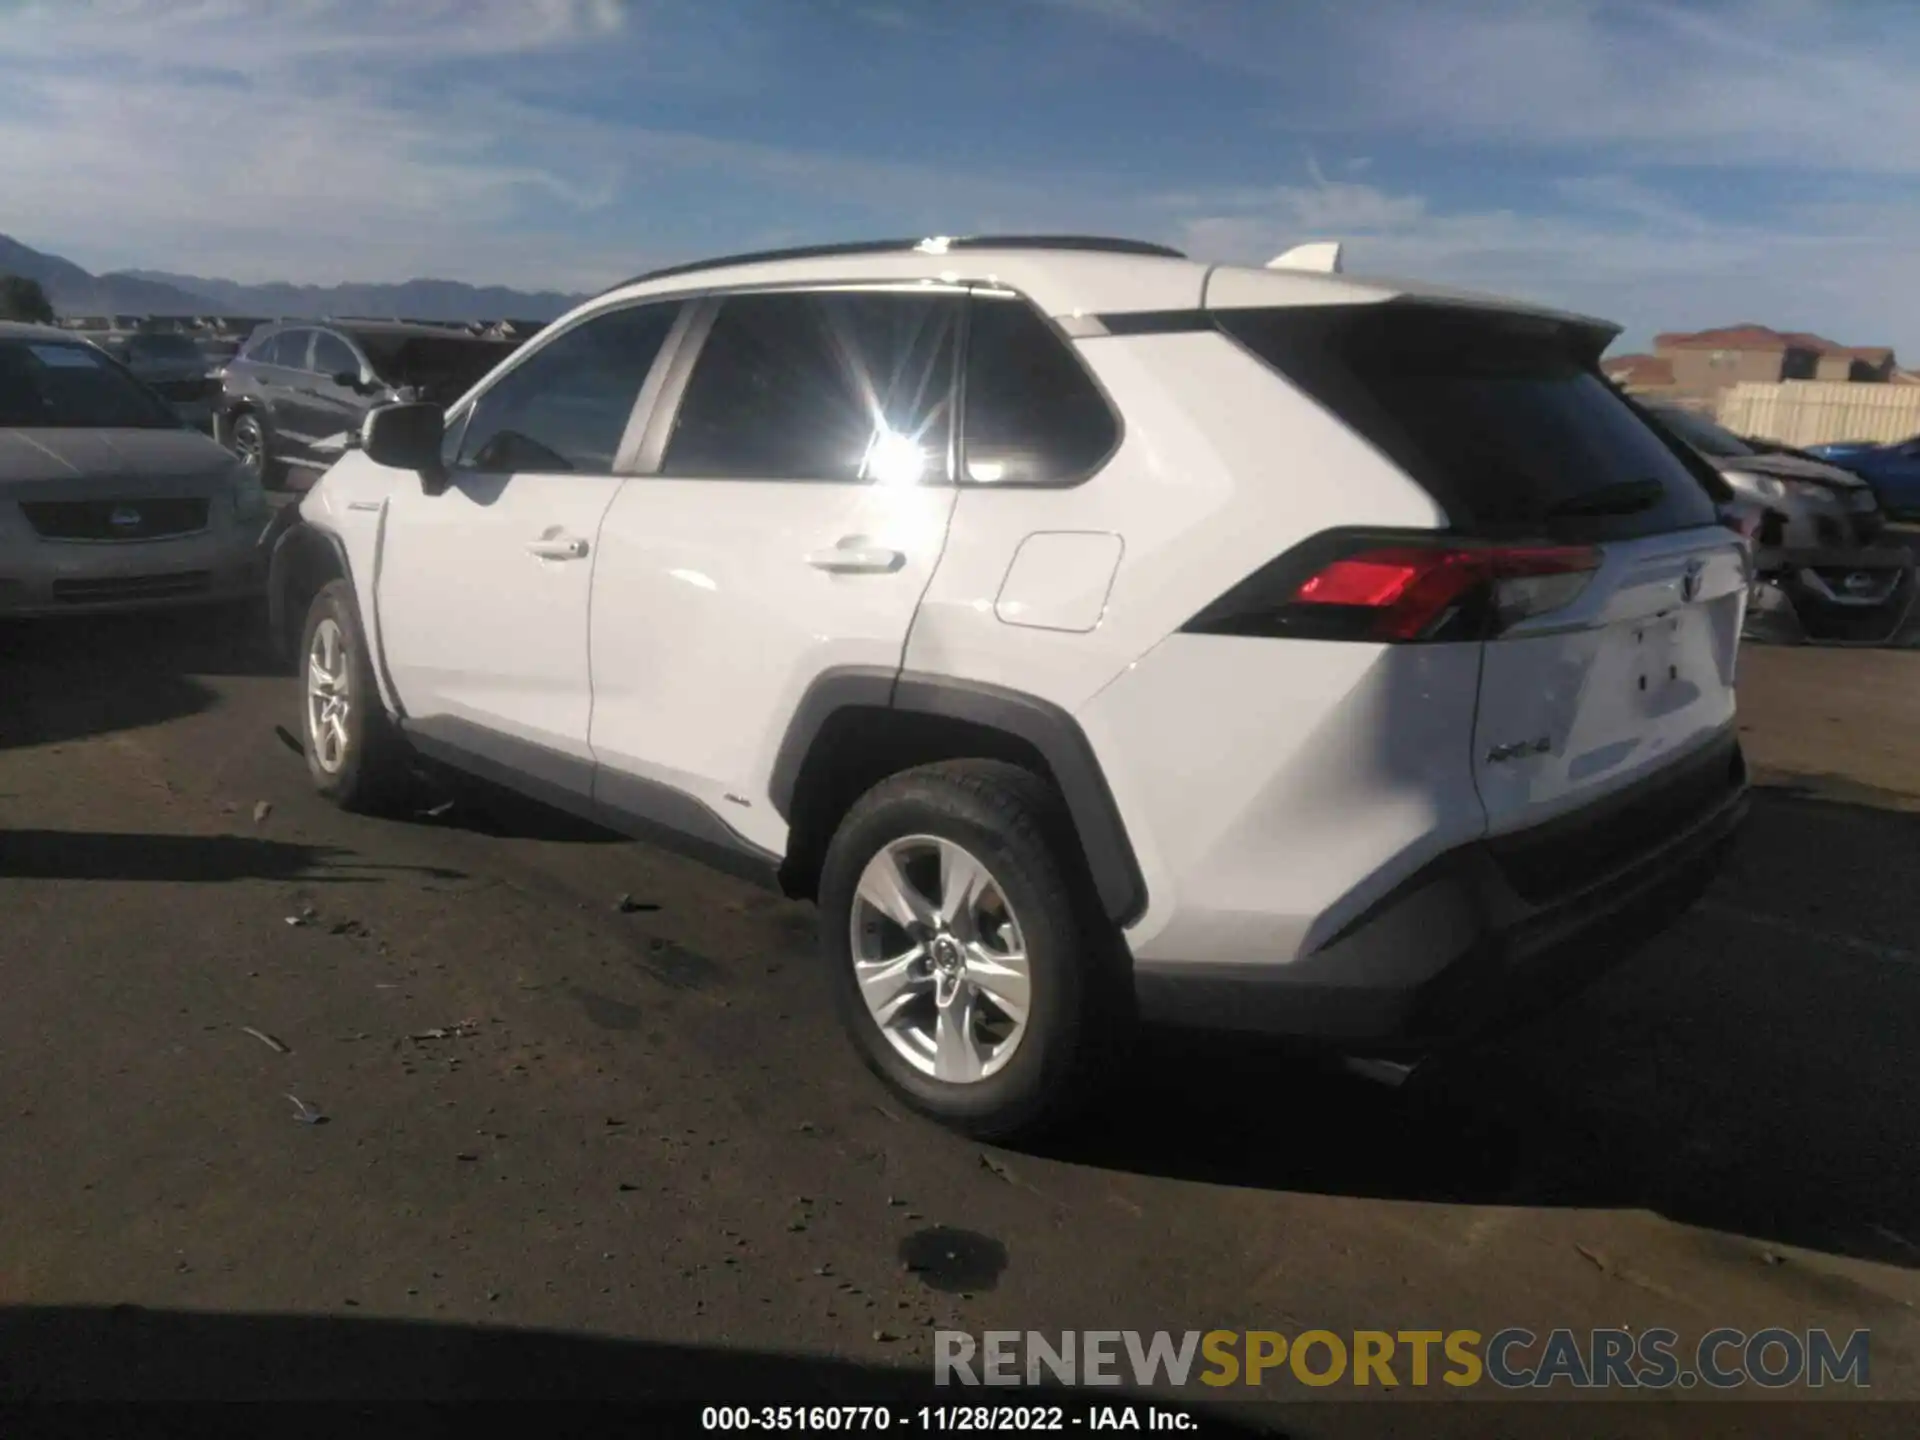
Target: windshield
[[443, 369], [162, 347], [63, 385], [1701, 433]]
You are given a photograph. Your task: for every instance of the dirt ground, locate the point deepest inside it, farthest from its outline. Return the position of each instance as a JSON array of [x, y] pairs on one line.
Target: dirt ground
[[577, 1146]]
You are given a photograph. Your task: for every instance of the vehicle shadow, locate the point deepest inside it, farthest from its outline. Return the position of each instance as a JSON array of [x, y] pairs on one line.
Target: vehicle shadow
[[1756, 1071], [71, 677], [128, 1353], [209, 859]]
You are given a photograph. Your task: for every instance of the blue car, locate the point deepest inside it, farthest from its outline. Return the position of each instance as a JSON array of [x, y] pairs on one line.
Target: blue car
[[1892, 470]]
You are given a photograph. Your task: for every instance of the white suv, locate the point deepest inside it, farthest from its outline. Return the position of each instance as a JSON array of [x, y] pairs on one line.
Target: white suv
[[1094, 633]]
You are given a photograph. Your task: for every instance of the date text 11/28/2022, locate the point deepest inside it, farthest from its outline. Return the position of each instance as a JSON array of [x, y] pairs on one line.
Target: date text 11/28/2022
[[946, 1419]]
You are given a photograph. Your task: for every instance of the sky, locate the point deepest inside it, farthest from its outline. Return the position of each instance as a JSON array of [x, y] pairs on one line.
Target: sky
[[1665, 165]]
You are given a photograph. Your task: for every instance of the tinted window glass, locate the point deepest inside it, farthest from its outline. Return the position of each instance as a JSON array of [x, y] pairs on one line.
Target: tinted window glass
[[566, 407], [332, 355], [1034, 416], [1501, 419], [58, 385], [835, 386]]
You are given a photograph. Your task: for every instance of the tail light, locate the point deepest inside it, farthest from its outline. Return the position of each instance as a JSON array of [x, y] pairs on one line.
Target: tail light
[[1399, 590]]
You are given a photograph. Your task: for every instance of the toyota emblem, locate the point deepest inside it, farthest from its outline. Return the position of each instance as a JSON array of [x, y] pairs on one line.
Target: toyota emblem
[[124, 517], [1858, 583]]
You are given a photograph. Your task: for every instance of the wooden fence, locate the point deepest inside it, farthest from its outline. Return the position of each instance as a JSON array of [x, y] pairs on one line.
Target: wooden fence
[[1809, 412]]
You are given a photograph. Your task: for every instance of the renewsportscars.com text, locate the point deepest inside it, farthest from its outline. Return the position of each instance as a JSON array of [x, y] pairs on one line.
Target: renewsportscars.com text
[[1512, 1358]]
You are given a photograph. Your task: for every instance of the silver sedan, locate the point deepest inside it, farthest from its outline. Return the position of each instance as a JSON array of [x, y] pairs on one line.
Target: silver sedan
[[107, 500]]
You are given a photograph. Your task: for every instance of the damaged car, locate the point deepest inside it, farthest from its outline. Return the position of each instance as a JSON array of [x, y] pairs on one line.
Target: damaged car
[[293, 399], [1824, 571]]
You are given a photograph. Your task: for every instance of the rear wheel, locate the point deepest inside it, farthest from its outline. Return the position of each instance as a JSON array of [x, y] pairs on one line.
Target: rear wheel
[[354, 754], [971, 967]]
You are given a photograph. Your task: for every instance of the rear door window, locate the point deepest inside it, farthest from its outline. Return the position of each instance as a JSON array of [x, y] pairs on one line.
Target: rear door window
[[837, 385], [1500, 418], [1034, 415], [289, 349]]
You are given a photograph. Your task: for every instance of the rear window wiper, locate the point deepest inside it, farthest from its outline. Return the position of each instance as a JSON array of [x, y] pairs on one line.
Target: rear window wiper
[[1624, 497]]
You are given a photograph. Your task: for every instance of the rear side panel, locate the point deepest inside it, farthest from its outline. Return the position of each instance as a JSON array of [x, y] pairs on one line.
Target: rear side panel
[[1219, 469], [1277, 788]]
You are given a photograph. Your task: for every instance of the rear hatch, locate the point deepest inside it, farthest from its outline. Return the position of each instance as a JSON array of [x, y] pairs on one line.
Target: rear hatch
[[1613, 598]]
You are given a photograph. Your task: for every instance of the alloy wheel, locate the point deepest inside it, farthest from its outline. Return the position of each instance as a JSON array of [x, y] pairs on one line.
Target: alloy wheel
[[940, 959], [329, 695]]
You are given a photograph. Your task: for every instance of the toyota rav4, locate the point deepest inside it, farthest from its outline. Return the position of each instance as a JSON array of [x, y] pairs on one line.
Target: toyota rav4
[[1094, 634]]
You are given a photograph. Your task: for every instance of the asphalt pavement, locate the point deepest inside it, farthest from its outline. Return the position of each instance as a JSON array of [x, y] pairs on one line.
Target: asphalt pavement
[[275, 1080]]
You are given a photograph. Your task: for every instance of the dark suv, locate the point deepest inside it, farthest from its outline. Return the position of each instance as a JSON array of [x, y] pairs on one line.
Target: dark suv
[[294, 397]]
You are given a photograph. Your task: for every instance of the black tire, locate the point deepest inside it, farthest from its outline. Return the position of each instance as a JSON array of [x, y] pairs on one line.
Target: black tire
[[1080, 1006], [247, 438], [371, 776]]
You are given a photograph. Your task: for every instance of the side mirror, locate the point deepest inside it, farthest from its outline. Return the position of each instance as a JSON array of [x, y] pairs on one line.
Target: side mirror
[[347, 379], [407, 437]]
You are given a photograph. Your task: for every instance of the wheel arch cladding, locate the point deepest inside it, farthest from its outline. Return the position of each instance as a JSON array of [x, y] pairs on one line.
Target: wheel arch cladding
[[304, 559], [856, 726]]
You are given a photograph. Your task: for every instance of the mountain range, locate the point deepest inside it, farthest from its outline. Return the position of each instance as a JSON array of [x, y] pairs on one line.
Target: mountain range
[[75, 291]]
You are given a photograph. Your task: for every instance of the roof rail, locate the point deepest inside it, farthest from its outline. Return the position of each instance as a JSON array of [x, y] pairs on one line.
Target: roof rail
[[930, 245]]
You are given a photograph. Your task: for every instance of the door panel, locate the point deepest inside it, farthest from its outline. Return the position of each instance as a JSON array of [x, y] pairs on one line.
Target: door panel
[[709, 622], [484, 589], [483, 604], [801, 509], [283, 382]]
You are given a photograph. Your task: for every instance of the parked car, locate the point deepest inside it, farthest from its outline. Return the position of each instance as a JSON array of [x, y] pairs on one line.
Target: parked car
[[172, 366], [107, 500], [1092, 633], [1822, 571], [1892, 470], [296, 394]]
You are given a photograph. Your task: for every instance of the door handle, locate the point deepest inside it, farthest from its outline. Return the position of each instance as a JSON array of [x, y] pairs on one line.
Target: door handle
[[857, 559], [558, 549]]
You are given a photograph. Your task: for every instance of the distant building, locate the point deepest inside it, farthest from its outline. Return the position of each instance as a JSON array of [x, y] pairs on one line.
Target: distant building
[[1639, 374], [1705, 362]]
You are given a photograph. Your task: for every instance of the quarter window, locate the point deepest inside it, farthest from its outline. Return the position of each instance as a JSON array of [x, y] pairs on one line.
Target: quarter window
[[838, 385], [1034, 415], [566, 406]]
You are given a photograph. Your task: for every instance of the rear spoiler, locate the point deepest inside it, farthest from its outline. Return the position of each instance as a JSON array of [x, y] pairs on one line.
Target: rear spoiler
[[1320, 255]]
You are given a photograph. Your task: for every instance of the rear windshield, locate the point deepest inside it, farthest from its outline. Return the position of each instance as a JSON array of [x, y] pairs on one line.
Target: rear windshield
[[1505, 421], [62, 385], [1702, 434], [443, 368]]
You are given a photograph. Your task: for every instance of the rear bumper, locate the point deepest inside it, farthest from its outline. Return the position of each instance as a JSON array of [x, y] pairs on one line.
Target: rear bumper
[[1457, 951]]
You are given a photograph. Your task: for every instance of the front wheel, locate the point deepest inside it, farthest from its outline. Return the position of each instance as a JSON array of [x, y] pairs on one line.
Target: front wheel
[[249, 441], [972, 968], [354, 754]]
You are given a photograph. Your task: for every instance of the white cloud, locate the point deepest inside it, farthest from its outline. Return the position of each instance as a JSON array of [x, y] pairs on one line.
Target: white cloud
[[1623, 251], [356, 143]]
